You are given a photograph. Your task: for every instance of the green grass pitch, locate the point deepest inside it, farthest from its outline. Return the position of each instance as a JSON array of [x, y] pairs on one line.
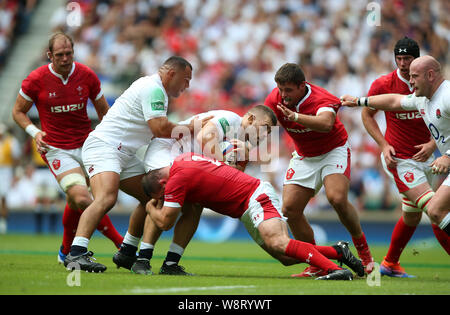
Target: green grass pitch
[[28, 266]]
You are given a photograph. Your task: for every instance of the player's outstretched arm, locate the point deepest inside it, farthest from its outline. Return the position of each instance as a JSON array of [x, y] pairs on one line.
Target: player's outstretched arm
[[386, 102]]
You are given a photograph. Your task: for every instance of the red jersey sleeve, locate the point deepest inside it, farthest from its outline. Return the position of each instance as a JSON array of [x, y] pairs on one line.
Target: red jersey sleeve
[[30, 87], [376, 88], [175, 191]]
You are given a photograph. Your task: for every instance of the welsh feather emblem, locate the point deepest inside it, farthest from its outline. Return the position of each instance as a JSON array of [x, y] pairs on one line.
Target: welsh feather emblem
[[290, 173], [409, 177], [56, 164]]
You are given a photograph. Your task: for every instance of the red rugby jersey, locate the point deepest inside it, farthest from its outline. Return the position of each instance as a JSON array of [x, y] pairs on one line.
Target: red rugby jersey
[[404, 130], [308, 142], [61, 104], [195, 178]]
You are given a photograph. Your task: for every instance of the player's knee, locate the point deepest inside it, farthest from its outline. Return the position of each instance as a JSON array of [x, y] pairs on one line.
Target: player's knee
[[289, 210], [106, 202], [412, 218], [337, 200], [277, 244], [435, 212]]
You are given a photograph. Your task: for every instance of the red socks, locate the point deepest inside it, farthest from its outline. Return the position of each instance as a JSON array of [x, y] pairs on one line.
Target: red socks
[[107, 228], [400, 237], [442, 237], [306, 252], [70, 222]]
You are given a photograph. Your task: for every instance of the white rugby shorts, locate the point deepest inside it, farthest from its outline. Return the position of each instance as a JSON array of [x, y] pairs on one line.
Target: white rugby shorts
[[60, 160], [98, 157], [264, 204], [160, 153], [409, 173], [310, 172]]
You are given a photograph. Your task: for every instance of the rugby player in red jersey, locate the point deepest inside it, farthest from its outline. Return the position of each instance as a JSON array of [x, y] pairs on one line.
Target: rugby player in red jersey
[[60, 92], [321, 157], [198, 179], [407, 151]]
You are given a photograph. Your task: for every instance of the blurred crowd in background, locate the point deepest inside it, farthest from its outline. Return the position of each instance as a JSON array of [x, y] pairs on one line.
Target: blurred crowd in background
[[236, 47]]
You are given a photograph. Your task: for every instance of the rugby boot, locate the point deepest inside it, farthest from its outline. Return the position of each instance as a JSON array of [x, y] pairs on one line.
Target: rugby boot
[[339, 274], [83, 262], [174, 269], [124, 261], [393, 270], [309, 272], [61, 256], [348, 258], [142, 267]]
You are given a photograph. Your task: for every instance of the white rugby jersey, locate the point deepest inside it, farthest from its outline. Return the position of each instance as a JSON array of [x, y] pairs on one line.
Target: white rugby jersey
[[228, 124], [435, 112], [125, 124]]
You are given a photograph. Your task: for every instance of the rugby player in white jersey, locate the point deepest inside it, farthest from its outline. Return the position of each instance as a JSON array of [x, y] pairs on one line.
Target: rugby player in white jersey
[[244, 132], [432, 100], [109, 152]]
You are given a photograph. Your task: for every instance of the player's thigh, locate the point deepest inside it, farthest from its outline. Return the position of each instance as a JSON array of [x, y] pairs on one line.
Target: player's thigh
[[133, 187], [336, 188], [295, 199], [105, 188]]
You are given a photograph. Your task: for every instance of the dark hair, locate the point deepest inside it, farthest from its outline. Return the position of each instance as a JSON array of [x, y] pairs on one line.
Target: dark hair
[[177, 62], [407, 46], [150, 182], [55, 36], [264, 110], [290, 73]]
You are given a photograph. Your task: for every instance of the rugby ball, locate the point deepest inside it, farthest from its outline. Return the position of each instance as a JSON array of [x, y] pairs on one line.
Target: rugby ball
[[230, 156]]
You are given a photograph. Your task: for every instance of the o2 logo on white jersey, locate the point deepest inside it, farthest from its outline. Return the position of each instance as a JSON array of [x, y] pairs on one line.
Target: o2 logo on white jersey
[[66, 108], [436, 134]]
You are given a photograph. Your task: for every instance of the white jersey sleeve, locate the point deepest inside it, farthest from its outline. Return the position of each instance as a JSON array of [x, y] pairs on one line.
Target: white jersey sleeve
[[435, 113], [412, 102], [125, 124], [154, 102]]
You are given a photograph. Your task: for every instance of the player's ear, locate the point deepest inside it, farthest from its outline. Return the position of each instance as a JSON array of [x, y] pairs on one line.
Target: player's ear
[[49, 55]]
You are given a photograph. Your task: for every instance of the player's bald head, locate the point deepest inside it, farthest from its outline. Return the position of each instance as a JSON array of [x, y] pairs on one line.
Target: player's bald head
[[59, 37], [426, 63]]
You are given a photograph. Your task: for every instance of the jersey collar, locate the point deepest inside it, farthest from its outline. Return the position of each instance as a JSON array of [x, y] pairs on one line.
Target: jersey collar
[[64, 81], [305, 97], [404, 80]]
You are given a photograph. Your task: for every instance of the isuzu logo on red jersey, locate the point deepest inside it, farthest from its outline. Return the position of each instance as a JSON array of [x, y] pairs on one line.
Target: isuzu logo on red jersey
[[66, 108], [56, 164]]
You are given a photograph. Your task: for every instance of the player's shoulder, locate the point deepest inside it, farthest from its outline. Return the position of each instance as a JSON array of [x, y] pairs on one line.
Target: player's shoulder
[[320, 93], [82, 68], [273, 98], [39, 72], [385, 79]]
